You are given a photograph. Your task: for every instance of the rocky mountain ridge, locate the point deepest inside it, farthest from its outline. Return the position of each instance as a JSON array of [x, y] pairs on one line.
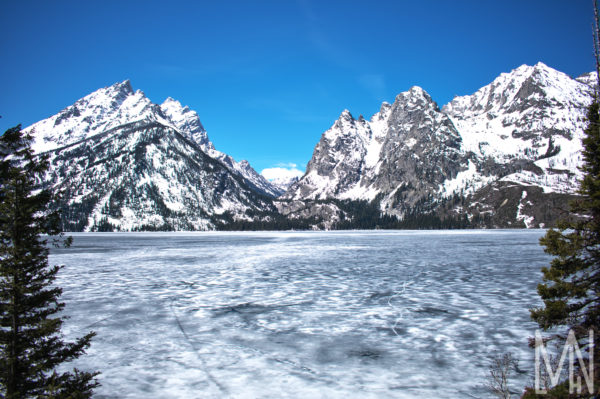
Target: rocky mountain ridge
[[125, 163], [118, 105], [505, 156], [522, 130]]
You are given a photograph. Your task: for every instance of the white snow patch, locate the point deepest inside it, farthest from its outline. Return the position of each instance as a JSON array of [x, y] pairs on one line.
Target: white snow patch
[[528, 220], [468, 180], [410, 143]]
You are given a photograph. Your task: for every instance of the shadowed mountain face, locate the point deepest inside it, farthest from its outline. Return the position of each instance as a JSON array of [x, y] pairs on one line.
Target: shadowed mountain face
[[518, 136]]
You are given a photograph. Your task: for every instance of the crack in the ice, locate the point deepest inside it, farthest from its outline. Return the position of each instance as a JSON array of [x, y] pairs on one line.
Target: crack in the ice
[[407, 281], [297, 367], [205, 366], [101, 320]]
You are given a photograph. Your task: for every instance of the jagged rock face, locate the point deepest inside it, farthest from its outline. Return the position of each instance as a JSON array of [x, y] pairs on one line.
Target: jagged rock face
[[403, 154], [337, 159], [145, 175], [523, 129], [422, 149], [346, 153], [518, 206], [125, 163], [188, 123]]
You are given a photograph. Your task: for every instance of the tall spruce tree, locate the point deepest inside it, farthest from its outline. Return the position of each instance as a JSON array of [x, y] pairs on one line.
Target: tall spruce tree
[[571, 287], [31, 345]]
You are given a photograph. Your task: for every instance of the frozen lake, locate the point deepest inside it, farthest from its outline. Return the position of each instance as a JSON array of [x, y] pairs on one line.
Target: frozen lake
[[301, 314]]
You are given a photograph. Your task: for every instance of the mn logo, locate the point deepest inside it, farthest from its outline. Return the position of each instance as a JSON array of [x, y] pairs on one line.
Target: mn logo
[[551, 377]]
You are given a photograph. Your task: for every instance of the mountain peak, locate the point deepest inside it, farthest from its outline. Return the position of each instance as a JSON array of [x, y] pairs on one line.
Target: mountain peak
[[537, 71], [384, 112], [99, 111], [417, 90], [171, 100], [527, 67], [172, 107], [186, 121], [415, 97], [541, 68], [524, 88], [413, 92], [346, 115], [123, 87]]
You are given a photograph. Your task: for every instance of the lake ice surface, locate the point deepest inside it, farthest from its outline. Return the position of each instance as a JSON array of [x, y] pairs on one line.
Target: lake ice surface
[[378, 314]]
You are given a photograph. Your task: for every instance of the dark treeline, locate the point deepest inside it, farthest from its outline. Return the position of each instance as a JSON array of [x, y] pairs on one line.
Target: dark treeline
[[263, 221], [353, 215], [357, 215]]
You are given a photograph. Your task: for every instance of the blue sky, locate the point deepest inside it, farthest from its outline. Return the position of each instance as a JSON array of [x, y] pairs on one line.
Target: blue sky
[[269, 77]]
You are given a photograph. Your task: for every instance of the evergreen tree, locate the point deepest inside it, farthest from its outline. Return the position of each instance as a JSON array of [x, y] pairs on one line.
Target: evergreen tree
[[572, 282], [31, 346], [571, 288]]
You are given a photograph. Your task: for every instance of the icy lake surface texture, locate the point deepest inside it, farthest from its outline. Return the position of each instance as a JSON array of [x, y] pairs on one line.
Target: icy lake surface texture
[[301, 314]]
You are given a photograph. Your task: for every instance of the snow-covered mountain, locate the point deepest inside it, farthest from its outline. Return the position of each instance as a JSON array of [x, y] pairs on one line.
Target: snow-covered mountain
[[505, 156], [359, 159], [284, 182], [282, 176], [535, 114], [514, 144], [188, 122], [123, 162]]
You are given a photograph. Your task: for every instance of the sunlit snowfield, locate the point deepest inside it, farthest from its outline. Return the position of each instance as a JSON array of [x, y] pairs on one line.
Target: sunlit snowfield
[[301, 314]]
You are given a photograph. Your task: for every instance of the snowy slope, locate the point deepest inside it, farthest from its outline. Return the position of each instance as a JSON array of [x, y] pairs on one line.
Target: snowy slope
[[95, 113], [282, 177], [117, 105], [188, 123], [125, 163], [533, 113], [590, 79], [146, 176]]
